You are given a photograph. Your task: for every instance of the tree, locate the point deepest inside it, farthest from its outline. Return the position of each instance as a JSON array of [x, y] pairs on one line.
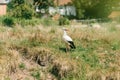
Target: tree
[[100, 9], [43, 3], [21, 9], [94, 8], [115, 4], [79, 8]]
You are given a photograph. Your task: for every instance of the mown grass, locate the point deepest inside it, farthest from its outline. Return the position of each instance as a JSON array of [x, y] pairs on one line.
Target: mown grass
[[96, 56]]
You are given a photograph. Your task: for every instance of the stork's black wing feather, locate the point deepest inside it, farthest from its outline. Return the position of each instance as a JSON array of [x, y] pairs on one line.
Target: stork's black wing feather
[[72, 44]]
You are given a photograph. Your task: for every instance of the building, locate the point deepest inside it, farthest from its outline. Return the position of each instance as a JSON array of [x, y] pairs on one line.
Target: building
[[61, 8], [62, 2], [3, 7], [64, 7], [114, 15]]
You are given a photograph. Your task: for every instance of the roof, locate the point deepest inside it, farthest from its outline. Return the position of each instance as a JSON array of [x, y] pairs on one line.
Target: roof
[[62, 2], [114, 14], [4, 1]]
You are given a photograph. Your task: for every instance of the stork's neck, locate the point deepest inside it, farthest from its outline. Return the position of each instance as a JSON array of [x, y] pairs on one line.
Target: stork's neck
[[65, 33]]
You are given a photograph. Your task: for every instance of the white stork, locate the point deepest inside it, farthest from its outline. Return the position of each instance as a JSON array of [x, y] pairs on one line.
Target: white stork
[[68, 40]]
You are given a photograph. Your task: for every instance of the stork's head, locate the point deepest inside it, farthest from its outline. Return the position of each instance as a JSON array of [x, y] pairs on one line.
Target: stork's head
[[65, 29]]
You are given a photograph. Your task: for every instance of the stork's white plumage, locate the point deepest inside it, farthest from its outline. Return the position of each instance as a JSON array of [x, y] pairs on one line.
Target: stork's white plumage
[[68, 40]]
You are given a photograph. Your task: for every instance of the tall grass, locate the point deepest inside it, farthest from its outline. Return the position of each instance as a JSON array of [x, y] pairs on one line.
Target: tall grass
[[39, 51]]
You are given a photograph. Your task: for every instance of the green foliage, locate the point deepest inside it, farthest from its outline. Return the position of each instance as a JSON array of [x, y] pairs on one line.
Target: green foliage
[[64, 21], [22, 66], [1, 19], [93, 8], [115, 45], [43, 3], [20, 9], [100, 10], [28, 43], [19, 2], [112, 28], [32, 22], [48, 22], [8, 21], [79, 9], [36, 75], [26, 12]]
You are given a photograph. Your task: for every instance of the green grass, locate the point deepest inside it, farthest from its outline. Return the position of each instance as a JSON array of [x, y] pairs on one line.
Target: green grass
[[8, 21], [36, 75], [22, 66]]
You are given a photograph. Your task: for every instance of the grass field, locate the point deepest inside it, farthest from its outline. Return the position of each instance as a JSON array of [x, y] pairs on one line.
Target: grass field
[[38, 53]]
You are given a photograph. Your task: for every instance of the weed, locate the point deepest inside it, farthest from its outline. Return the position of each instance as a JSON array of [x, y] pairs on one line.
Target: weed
[[8, 21], [48, 22], [36, 75], [22, 66], [64, 21]]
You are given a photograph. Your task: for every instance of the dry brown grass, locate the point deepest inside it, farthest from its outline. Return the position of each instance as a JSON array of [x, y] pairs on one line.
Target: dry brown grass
[[20, 45], [42, 56], [62, 67]]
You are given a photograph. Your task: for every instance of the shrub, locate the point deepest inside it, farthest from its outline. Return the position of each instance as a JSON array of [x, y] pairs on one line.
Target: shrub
[[48, 22], [8, 21], [20, 9], [64, 21], [27, 22], [27, 12]]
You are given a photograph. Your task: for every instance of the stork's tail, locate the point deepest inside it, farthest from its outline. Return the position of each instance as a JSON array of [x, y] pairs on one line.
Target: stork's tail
[[72, 44]]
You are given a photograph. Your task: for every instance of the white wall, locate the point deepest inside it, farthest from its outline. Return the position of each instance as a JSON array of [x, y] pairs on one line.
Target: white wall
[[68, 10], [62, 10]]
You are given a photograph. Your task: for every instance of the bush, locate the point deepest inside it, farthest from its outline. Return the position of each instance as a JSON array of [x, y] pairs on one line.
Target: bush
[[48, 22], [27, 12], [27, 22], [20, 9], [94, 9], [64, 21], [8, 21]]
